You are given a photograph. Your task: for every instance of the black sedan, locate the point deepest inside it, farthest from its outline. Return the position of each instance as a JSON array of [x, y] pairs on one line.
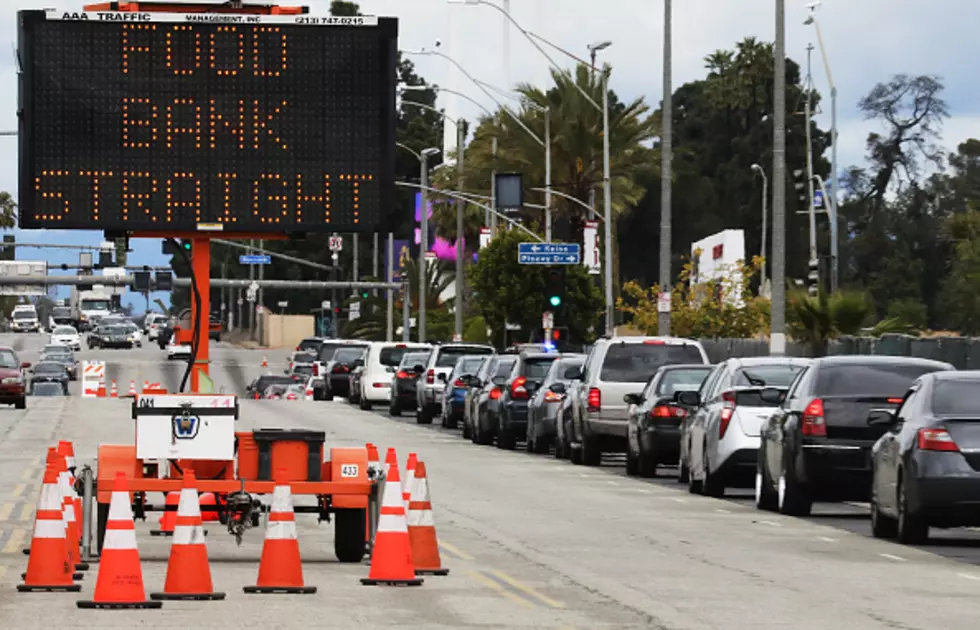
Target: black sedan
[[404, 396], [339, 369], [64, 357], [49, 372], [653, 435], [47, 390], [926, 467], [817, 443], [110, 337]]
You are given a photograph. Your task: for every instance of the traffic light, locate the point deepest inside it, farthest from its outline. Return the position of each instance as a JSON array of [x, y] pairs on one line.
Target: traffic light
[[141, 281], [7, 251], [105, 259], [800, 185], [185, 244], [164, 281], [813, 277], [554, 288]]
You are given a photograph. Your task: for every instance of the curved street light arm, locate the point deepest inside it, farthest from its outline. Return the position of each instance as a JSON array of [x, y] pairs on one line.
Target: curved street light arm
[[477, 83], [417, 155], [433, 109], [595, 213], [520, 99], [419, 88], [456, 195]]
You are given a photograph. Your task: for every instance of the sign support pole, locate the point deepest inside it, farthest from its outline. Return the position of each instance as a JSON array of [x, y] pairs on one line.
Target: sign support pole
[[201, 262]]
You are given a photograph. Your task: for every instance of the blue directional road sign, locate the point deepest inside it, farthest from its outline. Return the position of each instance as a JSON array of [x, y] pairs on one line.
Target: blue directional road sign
[[818, 199], [254, 259], [549, 254]]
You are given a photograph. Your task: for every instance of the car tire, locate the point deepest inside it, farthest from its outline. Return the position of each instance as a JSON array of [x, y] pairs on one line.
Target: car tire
[[712, 485], [683, 473], [21, 403], [792, 499], [647, 464], [882, 526], [632, 462], [452, 422], [591, 453], [506, 440], [364, 403], [424, 415], [765, 498], [541, 446], [693, 485], [529, 442], [394, 409], [561, 447], [466, 430], [911, 528], [328, 396]]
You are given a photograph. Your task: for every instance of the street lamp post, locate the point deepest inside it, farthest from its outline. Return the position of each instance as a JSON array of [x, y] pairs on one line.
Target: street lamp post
[[666, 185], [765, 193], [777, 337], [460, 204], [424, 237]]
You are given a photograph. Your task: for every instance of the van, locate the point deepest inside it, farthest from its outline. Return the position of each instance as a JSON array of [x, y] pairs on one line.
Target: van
[[380, 362]]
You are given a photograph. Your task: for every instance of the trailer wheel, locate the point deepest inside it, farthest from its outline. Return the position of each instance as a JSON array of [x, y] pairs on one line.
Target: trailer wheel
[[348, 541], [102, 519]]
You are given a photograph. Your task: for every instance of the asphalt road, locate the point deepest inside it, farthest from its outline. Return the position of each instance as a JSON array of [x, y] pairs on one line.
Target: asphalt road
[[531, 542]]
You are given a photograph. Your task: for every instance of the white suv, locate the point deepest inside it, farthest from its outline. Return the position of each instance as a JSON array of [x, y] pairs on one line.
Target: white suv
[[433, 380], [720, 443], [380, 362]]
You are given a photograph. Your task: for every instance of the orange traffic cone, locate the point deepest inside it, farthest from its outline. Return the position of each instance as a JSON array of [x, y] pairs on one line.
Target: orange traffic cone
[[132, 389], [146, 386], [114, 393], [48, 568], [120, 581], [72, 535], [409, 479], [265, 363], [169, 519], [101, 391], [280, 569], [391, 556], [207, 498], [422, 528], [67, 449], [188, 571]]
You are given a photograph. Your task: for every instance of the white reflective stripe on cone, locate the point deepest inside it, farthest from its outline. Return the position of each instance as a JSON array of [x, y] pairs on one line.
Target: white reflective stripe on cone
[[281, 530], [48, 528], [188, 505], [392, 496], [71, 461], [119, 508], [70, 512], [281, 500], [189, 535], [392, 524], [119, 539], [421, 518], [50, 498]]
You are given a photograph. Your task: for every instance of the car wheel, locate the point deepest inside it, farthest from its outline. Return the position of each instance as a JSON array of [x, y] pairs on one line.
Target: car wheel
[[575, 455], [506, 440], [467, 432], [21, 403], [882, 526], [765, 498], [647, 464], [452, 422], [328, 396], [424, 415], [591, 453], [711, 485], [561, 446], [394, 409], [364, 403], [912, 529], [542, 445], [683, 473], [529, 442], [632, 460], [792, 499]]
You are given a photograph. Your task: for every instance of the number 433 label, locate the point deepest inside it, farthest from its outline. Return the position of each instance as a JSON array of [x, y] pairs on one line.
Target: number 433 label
[[349, 470]]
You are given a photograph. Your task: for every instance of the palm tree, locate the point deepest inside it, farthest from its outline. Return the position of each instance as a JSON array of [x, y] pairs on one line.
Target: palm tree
[[8, 215], [815, 320]]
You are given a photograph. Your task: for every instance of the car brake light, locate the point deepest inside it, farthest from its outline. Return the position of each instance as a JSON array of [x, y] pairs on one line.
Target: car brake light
[[936, 440], [654, 342], [813, 420], [728, 397], [297, 348], [495, 393], [340, 369], [895, 401], [402, 374], [666, 411], [459, 383], [256, 396], [291, 397], [430, 376], [726, 419], [595, 399], [550, 396], [518, 389], [316, 369], [399, 345]]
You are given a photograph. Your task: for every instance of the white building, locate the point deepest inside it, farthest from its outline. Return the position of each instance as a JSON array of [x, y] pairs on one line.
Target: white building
[[719, 257]]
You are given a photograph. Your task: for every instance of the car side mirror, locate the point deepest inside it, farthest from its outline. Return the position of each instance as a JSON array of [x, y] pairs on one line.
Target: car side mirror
[[573, 374], [418, 369], [881, 418], [633, 399], [558, 388], [689, 399], [25, 365], [772, 395]]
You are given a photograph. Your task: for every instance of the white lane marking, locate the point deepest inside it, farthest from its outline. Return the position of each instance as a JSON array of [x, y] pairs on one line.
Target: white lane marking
[[723, 511], [891, 557], [679, 500], [642, 490], [968, 576], [825, 539], [772, 523], [613, 483]]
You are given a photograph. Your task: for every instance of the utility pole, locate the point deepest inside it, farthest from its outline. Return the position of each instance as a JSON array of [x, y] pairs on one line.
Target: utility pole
[[423, 243], [355, 267], [547, 174], [492, 217], [777, 337], [374, 260], [666, 155], [460, 206], [389, 272], [251, 305], [261, 328], [812, 212]]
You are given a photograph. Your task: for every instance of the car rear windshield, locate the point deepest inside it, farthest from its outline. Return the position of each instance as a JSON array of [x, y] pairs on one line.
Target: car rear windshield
[[52, 368], [469, 365], [348, 354], [393, 355], [956, 398], [886, 380], [327, 350], [303, 357], [412, 359], [505, 366], [767, 375], [8, 360], [449, 355], [60, 312], [536, 369], [684, 380], [47, 389], [637, 362], [303, 370], [64, 330], [309, 344]]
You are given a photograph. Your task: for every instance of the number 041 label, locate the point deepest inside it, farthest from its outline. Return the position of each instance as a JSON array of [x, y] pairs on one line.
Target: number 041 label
[[349, 470]]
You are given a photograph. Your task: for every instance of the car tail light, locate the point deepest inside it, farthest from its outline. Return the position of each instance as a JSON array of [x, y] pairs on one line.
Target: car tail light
[[297, 348], [402, 374], [895, 401], [291, 396], [728, 397], [379, 385], [936, 440], [430, 376], [654, 342], [316, 369], [595, 399], [340, 368], [256, 396], [459, 383], [550, 396], [495, 393], [518, 389], [813, 420], [666, 411], [726, 419]]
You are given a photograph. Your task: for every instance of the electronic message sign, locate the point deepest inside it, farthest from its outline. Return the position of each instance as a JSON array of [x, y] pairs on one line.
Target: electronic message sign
[[206, 122]]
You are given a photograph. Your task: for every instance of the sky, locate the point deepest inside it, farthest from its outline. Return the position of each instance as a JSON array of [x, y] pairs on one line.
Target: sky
[[867, 41]]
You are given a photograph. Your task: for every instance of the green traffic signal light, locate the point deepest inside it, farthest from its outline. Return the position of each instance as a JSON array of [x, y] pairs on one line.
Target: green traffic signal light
[[555, 300], [364, 294], [186, 245]]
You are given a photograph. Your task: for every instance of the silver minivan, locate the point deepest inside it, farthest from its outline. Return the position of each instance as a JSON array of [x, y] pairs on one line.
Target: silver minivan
[[613, 368]]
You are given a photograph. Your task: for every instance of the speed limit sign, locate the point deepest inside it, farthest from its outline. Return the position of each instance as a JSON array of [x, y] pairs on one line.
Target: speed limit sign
[[336, 243]]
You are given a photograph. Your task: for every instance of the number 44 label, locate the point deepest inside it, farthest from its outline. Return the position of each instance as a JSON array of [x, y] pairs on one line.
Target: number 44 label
[[349, 470]]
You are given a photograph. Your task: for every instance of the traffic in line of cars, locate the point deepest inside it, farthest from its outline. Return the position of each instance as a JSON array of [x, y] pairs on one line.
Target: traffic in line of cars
[[901, 433]]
